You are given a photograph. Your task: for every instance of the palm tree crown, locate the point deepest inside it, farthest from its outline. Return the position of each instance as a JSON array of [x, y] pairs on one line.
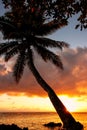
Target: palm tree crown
[[25, 28]]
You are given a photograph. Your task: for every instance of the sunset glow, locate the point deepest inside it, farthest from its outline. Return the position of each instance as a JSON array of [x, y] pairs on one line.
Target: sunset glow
[[70, 84], [38, 104], [73, 104]]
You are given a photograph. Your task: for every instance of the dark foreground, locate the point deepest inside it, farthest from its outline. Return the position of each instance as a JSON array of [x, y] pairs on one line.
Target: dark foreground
[[15, 127], [11, 127], [50, 125]]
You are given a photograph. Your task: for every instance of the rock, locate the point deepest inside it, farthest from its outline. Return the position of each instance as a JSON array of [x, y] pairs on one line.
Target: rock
[[52, 124], [11, 127], [25, 128]]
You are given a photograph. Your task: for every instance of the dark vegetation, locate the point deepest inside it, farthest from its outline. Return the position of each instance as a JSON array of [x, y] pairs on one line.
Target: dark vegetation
[[25, 25]]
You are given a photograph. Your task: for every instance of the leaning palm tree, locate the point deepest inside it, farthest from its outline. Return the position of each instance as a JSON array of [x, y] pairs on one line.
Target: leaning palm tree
[[25, 28]]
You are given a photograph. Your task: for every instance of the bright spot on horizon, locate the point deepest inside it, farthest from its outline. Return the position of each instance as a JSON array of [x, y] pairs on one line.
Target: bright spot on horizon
[[70, 103], [37, 104]]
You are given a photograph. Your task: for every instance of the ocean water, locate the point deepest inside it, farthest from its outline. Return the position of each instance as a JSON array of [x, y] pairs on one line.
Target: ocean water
[[35, 120]]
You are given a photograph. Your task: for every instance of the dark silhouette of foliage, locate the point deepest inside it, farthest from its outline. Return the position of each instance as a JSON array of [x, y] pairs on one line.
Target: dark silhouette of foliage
[[24, 26], [59, 10]]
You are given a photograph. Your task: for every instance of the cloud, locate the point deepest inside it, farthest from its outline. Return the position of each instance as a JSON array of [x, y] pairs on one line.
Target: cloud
[[71, 81], [75, 73]]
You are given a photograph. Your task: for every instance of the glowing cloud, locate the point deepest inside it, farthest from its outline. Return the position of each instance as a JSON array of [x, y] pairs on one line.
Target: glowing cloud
[[72, 81]]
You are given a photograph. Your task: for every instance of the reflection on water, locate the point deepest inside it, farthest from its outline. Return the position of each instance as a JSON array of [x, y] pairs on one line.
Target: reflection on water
[[36, 120]]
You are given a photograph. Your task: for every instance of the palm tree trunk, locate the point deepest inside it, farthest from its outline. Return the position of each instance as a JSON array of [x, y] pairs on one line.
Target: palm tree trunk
[[65, 116]]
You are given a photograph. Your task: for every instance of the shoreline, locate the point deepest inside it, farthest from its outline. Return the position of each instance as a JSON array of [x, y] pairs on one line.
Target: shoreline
[[11, 127]]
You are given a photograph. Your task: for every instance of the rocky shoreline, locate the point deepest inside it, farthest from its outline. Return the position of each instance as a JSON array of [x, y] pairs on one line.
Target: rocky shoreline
[[15, 127], [11, 127], [50, 125]]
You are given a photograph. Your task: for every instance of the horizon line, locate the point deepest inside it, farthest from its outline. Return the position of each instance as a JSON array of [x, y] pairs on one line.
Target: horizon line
[[39, 112]]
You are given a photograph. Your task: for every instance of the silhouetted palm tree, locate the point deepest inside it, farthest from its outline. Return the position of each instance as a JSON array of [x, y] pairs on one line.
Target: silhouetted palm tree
[[25, 28]]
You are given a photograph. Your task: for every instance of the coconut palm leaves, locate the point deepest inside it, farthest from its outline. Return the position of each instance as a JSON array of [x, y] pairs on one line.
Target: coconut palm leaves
[[25, 27], [19, 66], [46, 42], [22, 49], [50, 27], [5, 47], [48, 55]]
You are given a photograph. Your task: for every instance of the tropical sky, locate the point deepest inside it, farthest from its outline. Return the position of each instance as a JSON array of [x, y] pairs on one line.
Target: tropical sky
[[69, 84]]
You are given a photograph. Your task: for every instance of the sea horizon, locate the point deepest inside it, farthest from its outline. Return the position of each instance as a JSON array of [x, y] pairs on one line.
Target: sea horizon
[[36, 120], [39, 112]]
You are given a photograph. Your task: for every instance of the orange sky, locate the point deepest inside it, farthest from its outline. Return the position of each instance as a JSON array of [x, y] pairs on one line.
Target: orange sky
[[70, 84]]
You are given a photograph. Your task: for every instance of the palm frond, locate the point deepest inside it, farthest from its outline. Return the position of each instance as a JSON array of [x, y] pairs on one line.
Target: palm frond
[[19, 66], [4, 23], [46, 42], [29, 58], [5, 47], [11, 53], [7, 27], [48, 55], [50, 27]]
